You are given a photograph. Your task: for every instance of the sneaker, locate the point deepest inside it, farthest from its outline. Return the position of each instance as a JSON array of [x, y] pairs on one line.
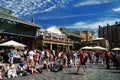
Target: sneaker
[[8, 76], [84, 73], [13, 76], [28, 73], [76, 73], [20, 74]]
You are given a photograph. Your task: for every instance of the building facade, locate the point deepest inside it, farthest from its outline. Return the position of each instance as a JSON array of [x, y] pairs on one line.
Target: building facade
[[30, 34], [110, 33], [90, 35], [13, 28], [53, 38], [74, 37], [86, 35]]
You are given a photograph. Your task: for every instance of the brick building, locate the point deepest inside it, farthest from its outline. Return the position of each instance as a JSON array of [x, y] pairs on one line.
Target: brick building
[[86, 35], [111, 33]]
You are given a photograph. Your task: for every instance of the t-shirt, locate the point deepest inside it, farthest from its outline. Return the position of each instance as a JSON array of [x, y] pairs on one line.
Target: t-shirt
[[31, 54], [40, 54], [21, 65], [12, 53], [36, 56], [82, 56], [108, 55]]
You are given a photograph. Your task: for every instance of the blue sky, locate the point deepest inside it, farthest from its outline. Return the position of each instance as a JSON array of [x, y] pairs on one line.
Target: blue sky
[[71, 14]]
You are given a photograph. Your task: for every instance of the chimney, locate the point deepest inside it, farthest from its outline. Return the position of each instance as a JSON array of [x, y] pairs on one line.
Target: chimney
[[33, 21], [116, 23], [107, 24], [99, 26]]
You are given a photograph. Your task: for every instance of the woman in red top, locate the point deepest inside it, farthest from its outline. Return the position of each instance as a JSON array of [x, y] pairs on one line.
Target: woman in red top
[[36, 56]]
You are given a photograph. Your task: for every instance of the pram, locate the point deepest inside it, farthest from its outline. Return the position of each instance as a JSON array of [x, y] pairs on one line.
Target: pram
[[56, 65]]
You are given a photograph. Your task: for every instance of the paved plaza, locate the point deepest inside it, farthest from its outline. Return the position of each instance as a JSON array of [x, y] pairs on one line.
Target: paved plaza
[[97, 72]]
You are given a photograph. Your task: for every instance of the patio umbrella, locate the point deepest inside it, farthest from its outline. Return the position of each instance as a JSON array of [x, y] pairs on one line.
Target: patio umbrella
[[87, 47], [117, 49], [99, 48], [12, 43]]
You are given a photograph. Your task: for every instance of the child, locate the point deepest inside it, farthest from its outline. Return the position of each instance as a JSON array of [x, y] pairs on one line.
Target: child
[[11, 70]]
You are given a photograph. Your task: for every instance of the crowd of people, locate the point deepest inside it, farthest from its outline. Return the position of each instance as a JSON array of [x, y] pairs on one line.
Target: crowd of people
[[32, 59]]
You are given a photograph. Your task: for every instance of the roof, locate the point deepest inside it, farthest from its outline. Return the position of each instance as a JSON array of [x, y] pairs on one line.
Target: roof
[[54, 29], [12, 18], [99, 38], [5, 11], [71, 34]]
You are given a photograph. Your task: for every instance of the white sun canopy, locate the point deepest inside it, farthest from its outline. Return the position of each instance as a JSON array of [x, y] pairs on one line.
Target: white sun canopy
[[12, 43]]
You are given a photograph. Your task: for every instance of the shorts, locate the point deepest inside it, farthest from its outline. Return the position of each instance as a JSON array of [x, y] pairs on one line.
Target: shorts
[[80, 62], [83, 63]]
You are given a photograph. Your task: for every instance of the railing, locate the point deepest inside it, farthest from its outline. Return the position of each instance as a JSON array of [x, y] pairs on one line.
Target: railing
[[57, 39]]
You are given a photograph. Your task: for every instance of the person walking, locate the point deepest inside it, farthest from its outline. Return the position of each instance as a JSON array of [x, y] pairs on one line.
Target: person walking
[[107, 56], [118, 61], [81, 62]]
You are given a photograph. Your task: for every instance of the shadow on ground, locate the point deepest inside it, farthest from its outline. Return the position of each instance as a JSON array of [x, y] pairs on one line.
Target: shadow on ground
[[114, 72], [74, 73]]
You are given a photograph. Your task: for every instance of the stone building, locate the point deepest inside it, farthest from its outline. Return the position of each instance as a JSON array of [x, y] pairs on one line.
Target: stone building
[[110, 33], [55, 38]]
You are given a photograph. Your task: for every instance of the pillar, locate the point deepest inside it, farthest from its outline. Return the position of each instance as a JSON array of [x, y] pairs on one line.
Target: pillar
[[51, 46]]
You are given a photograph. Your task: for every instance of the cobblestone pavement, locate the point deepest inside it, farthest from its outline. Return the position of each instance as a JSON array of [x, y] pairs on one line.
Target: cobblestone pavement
[[97, 72]]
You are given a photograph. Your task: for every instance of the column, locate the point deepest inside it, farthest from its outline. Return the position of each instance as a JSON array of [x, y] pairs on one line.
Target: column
[[51, 46], [57, 46], [68, 47]]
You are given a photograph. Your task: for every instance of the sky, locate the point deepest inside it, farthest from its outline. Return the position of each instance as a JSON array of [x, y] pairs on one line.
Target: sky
[[72, 14]]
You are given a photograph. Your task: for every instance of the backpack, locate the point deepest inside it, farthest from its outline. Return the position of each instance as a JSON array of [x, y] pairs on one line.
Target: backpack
[[39, 70], [24, 73]]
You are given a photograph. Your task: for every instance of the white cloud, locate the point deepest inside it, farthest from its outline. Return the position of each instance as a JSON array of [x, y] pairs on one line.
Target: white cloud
[[72, 16], [92, 25], [25, 7], [116, 9], [91, 2], [49, 9]]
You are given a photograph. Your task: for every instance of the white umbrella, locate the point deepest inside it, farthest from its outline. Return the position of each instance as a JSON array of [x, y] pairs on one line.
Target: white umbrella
[[116, 48], [99, 48], [87, 47], [12, 43]]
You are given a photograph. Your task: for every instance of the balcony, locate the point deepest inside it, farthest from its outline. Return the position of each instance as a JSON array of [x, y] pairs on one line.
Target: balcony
[[49, 38]]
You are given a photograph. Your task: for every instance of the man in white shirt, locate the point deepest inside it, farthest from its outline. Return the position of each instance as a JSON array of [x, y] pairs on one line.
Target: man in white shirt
[[31, 55]]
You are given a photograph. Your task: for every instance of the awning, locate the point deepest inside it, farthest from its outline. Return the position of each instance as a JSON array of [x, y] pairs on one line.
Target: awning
[[14, 44]]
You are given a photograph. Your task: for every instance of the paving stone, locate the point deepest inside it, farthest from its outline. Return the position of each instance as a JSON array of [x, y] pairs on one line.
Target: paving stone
[[97, 72]]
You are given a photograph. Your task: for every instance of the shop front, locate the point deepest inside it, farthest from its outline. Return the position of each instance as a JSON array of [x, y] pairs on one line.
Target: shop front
[[13, 28], [53, 41]]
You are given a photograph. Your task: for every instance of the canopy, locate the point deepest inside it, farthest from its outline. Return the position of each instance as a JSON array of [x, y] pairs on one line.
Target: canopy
[[99, 48], [12, 43], [116, 48], [87, 47]]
